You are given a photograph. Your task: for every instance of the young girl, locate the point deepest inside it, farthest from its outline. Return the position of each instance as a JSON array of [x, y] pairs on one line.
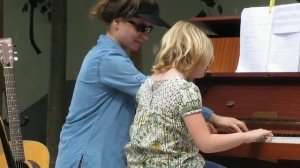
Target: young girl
[[168, 128]]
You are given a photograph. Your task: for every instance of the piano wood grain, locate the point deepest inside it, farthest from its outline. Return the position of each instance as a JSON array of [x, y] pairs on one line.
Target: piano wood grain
[[262, 100], [265, 151]]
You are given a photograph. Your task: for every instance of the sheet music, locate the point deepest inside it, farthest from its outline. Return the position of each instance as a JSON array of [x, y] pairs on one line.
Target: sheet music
[[286, 19], [270, 42], [284, 52], [254, 39]]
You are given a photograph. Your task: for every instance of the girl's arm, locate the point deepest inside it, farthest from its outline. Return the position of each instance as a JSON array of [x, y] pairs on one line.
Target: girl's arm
[[210, 143]]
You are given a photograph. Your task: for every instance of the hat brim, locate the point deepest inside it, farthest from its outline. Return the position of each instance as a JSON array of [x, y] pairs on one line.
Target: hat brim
[[155, 20]]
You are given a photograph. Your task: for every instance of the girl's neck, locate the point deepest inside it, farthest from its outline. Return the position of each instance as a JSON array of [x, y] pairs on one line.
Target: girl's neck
[[169, 74]]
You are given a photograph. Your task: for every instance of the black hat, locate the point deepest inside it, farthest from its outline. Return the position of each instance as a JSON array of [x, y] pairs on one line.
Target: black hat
[[150, 12]]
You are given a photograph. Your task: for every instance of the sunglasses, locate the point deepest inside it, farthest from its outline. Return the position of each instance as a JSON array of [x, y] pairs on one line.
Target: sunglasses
[[140, 27]]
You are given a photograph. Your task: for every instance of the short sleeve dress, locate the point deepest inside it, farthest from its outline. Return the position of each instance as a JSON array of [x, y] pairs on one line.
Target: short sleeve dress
[[158, 135]]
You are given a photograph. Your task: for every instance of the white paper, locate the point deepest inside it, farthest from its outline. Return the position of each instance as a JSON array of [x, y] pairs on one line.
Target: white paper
[[254, 39], [284, 53], [270, 41], [286, 19]]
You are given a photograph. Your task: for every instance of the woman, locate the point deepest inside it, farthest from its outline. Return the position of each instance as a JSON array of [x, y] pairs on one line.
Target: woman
[[103, 102]]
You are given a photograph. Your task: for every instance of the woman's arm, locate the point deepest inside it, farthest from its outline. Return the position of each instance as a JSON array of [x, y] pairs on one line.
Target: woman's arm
[[227, 124]]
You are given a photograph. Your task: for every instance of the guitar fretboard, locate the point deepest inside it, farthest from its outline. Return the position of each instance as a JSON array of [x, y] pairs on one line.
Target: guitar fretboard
[[13, 115]]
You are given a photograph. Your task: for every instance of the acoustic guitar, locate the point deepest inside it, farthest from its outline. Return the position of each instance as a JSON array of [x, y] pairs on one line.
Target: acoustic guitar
[[27, 153]]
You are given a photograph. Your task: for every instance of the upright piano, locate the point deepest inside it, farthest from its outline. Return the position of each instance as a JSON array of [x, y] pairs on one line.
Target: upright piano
[[261, 100]]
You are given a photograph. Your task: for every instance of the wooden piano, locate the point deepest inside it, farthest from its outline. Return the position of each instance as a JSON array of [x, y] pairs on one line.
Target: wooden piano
[[261, 100]]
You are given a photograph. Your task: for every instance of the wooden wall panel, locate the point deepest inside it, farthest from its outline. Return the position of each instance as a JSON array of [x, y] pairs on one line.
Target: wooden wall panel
[[227, 50]]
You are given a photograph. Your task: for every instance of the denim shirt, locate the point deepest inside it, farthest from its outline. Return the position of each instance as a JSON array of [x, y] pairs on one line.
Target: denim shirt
[[102, 109]]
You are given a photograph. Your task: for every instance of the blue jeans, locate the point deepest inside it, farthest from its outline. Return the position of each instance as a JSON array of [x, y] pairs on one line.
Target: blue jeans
[[210, 164]]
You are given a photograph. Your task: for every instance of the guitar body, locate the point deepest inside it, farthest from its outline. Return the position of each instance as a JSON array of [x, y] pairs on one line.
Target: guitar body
[[36, 155]]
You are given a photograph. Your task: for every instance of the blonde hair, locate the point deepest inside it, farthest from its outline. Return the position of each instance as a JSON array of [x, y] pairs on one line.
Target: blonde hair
[[184, 47]]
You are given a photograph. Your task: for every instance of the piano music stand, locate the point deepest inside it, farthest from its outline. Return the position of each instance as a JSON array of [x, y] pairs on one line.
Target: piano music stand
[[6, 147]]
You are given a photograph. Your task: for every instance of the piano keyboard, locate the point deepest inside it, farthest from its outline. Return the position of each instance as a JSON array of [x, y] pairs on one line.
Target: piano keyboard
[[286, 140]]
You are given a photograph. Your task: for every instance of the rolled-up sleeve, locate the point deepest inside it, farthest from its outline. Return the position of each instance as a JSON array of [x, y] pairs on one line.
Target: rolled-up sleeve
[[207, 112]]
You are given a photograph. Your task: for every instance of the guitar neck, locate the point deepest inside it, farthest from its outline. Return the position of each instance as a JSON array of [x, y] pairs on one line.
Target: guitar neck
[[13, 115]]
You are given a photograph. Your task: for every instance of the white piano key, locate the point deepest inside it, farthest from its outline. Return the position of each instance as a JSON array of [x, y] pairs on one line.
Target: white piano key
[[287, 140]]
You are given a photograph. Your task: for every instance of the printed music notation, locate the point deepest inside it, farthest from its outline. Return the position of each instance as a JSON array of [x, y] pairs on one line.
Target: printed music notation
[[270, 41]]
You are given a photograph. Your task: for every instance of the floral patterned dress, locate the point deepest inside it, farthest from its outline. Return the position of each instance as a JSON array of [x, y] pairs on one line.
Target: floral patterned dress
[[158, 135]]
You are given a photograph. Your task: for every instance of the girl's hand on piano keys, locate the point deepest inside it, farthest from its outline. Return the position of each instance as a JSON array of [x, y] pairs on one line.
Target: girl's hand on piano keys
[[258, 135]]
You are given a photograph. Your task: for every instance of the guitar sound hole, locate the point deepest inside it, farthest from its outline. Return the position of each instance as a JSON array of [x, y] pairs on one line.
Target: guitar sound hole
[[21, 165]]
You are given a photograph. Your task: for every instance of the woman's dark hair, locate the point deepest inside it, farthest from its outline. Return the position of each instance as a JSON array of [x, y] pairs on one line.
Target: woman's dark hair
[[107, 10]]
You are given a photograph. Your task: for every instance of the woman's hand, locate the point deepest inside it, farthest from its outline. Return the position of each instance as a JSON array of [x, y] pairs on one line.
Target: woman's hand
[[228, 124]]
